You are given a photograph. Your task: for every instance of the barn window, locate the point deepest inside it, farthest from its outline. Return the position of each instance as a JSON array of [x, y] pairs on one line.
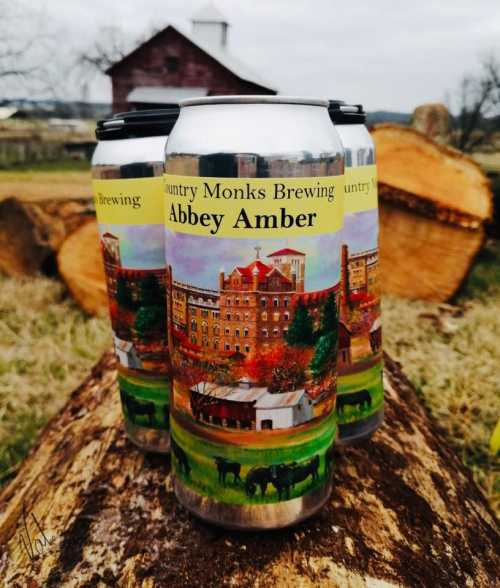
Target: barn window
[[264, 332], [245, 332], [237, 348], [237, 301], [263, 302], [247, 301], [247, 316], [215, 314], [227, 331], [286, 316], [276, 332], [192, 311], [237, 317], [228, 316], [227, 347], [247, 348], [172, 63], [276, 302], [264, 316], [216, 330], [276, 316], [204, 327], [204, 313], [285, 302], [237, 332], [193, 325]]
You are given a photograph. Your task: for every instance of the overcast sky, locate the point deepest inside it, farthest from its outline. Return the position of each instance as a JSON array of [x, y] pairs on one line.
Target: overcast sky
[[387, 54]]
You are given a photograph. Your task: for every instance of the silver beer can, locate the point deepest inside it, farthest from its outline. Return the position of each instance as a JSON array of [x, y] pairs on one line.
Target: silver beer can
[[360, 399], [253, 215], [127, 177]]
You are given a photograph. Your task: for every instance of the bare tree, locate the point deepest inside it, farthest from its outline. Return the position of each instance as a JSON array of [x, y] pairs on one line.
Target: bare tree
[[28, 59], [478, 106]]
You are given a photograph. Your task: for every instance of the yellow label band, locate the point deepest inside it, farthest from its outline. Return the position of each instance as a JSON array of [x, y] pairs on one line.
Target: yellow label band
[[135, 201], [360, 188], [254, 207]]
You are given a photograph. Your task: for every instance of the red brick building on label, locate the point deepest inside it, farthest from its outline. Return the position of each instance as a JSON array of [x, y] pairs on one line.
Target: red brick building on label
[[174, 65]]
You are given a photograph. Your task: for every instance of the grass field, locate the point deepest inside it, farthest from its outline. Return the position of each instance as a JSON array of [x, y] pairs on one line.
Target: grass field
[[61, 179], [289, 446], [154, 390], [369, 379], [452, 356]]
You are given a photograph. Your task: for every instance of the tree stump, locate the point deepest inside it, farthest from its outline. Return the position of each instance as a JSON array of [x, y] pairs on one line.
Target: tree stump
[[434, 205], [87, 509], [31, 232]]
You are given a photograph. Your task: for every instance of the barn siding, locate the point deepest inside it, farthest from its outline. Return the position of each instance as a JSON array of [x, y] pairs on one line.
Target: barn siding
[[146, 67]]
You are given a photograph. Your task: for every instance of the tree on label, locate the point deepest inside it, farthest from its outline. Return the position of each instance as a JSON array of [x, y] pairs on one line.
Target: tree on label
[[151, 291], [123, 293], [301, 331], [325, 353], [149, 320]]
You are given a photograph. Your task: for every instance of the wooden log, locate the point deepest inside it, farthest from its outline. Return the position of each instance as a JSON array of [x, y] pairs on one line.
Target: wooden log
[[435, 203], [31, 232], [80, 265], [404, 512]]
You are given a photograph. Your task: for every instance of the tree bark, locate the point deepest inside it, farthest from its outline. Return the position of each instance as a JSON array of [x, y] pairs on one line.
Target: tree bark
[[31, 232], [435, 203], [404, 512]]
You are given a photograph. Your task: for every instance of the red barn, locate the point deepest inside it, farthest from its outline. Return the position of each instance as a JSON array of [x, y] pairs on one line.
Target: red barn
[[174, 65]]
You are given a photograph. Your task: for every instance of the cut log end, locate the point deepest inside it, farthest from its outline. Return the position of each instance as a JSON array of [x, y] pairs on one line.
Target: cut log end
[[81, 267], [404, 512], [434, 204]]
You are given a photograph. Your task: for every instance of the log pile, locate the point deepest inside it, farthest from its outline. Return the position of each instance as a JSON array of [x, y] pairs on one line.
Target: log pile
[[80, 265], [434, 204], [88, 509], [31, 232]]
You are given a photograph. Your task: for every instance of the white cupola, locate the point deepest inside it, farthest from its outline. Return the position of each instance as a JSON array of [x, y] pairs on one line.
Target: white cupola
[[210, 26]]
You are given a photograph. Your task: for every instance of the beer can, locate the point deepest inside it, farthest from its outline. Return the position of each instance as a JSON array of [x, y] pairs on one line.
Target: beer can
[[360, 399], [253, 215], [127, 172]]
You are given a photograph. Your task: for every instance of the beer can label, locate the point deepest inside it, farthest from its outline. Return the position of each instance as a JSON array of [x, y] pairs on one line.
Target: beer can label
[[360, 388], [254, 285], [130, 218]]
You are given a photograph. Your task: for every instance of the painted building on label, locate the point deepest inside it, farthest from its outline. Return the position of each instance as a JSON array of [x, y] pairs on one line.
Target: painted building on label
[[252, 309], [249, 407], [126, 354]]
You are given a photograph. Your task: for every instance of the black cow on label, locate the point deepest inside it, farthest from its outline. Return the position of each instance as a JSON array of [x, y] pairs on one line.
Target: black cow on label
[[329, 457], [361, 399], [180, 456], [137, 408], [224, 467], [285, 476], [258, 476]]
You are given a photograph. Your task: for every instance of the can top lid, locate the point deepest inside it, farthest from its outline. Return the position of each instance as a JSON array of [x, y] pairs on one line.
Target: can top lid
[[346, 114], [254, 99], [137, 123]]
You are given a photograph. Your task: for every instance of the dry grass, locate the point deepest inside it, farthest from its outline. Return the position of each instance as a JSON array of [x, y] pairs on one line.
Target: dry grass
[[36, 182], [46, 347], [454, 362]]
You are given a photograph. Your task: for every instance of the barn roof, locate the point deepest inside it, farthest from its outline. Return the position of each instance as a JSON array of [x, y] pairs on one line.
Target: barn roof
[[222, 56], [233, 393], [164, 94], [282, 400]]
